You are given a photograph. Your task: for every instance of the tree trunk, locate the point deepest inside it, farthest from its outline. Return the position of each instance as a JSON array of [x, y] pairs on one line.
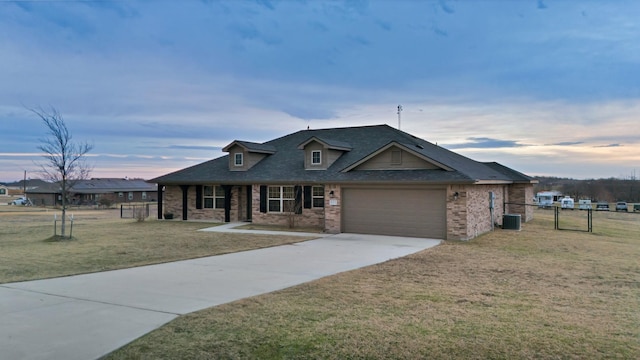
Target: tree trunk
[[64, 207]]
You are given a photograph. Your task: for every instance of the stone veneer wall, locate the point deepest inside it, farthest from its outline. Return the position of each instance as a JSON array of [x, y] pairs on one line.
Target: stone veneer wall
[[457, 213], [332, 214]]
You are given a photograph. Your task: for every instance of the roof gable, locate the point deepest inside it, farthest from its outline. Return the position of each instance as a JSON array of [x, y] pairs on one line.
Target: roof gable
[[382, 159]]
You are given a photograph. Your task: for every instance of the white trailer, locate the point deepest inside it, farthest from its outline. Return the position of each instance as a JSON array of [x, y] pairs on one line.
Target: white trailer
[[567, 203], [545, 199]]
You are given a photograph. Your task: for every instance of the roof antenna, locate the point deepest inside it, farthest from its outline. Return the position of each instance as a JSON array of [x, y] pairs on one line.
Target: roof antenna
[[399, 111]]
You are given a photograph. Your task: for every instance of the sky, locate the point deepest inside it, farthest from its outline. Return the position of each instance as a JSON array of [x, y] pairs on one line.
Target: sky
[[549, 88]]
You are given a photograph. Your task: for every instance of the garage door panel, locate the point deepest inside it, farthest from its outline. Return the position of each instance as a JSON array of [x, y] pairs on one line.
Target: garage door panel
[[402, 212]]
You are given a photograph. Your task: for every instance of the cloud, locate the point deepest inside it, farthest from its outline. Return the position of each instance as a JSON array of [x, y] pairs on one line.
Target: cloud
[[568, 143], [194, 147], [608, 146], [132, 82], [445, 7], [483, 143]]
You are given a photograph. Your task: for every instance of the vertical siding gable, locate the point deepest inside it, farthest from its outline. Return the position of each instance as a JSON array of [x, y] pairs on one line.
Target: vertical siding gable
[[388, 160]]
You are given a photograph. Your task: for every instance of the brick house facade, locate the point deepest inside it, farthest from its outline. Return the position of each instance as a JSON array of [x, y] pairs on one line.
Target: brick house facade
[[367, 179]]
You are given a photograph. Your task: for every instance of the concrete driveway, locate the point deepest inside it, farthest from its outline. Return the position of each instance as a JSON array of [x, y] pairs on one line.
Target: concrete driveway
[[88, 316]]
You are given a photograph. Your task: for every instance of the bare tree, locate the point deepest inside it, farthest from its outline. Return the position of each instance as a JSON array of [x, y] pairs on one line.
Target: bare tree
[[64, 159]]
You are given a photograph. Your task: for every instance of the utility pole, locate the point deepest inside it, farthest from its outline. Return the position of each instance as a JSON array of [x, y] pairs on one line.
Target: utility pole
[[399, 111]]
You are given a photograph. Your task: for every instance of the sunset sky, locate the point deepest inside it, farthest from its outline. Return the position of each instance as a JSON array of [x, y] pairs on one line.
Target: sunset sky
[[545, 87]]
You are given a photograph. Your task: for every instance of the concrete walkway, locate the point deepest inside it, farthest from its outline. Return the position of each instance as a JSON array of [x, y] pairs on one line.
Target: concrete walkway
[[88, 316]]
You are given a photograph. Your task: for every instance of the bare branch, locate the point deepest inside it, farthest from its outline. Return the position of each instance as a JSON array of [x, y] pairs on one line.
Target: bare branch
[[64, 160]]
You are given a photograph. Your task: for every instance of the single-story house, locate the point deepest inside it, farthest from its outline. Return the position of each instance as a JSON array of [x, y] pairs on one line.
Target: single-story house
[[88, 192], [4, 191], [370, 179], [114, 189]]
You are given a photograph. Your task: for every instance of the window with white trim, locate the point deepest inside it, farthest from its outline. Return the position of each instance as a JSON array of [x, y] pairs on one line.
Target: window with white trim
[[281, 199], [237, 159], [316, 157], [317, 196], [130, 195], [213, 197], [120, 194], [144, 195]]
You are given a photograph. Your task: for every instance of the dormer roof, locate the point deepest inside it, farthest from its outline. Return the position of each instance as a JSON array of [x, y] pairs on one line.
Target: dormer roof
[[328, 143], [252, 147]]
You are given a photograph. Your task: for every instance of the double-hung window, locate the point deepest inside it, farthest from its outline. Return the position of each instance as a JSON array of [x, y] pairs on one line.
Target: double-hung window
[[237, 159], [317, 196], [213, 197], [281, 199], [316, 157]]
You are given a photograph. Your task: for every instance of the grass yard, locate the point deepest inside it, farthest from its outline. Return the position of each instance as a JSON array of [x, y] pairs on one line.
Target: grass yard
[[103, 241], [533, 294]]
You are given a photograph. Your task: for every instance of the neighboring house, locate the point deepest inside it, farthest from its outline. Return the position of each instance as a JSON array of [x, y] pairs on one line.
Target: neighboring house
[[44, 194], [372, 179], [85, 192], [4, 191], [116, 190]]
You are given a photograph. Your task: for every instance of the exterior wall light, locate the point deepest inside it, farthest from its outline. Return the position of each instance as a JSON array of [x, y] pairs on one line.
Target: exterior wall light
[[455, 195]]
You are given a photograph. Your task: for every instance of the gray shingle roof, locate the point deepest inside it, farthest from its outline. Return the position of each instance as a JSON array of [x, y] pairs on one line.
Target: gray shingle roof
[[286, 165], [99, 186], [106, 185]]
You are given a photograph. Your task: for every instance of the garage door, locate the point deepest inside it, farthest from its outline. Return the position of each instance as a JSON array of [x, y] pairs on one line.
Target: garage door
[[401, 212]]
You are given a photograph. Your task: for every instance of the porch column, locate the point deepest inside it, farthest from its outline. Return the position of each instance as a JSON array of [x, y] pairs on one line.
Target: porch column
[[227, 202], [160, 193], [249, 204], [185, 202]]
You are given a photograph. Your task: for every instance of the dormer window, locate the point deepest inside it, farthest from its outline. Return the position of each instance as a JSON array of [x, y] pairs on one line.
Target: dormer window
[[316, 157], [238, 159]]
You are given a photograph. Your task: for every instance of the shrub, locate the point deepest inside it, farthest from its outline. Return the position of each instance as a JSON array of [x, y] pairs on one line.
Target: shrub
[[105, 202]]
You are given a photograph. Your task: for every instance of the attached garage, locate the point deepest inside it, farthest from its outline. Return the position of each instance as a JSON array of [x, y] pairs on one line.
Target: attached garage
[[395, 211]]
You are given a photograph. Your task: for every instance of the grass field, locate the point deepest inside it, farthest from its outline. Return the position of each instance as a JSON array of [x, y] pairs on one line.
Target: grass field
[[533, 294], [103, 241]]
